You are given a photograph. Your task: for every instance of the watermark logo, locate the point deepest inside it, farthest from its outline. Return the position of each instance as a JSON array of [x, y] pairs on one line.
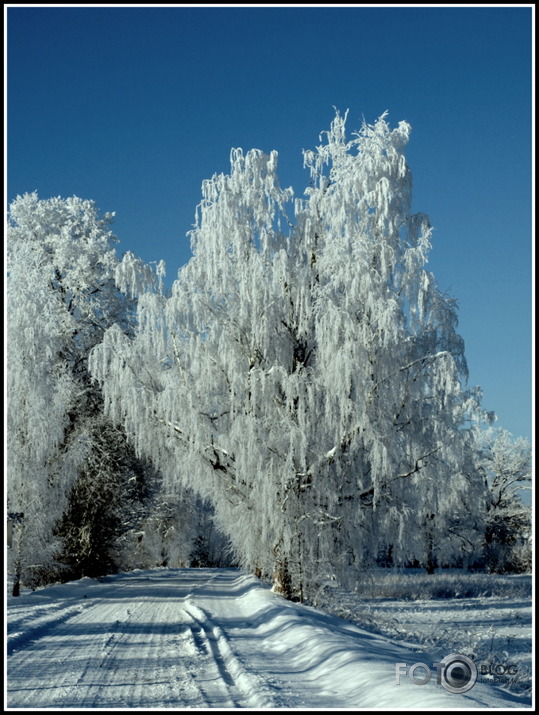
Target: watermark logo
[[456, 673]]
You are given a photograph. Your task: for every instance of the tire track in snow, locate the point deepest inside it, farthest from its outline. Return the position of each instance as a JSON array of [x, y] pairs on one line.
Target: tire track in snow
[[128, 646], [244, 688], [213, 670]]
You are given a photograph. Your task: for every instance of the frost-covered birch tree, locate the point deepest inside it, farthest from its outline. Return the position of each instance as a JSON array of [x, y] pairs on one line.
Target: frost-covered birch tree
[[192, 372], [305, 375], [61, 297], [388, 351]]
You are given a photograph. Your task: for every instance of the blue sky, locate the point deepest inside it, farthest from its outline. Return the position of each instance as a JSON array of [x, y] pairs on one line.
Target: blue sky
[[134, 107]]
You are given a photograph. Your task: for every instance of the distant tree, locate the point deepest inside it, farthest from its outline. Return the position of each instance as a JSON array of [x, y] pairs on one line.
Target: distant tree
[[310, 383], [177, 531], [505, 464], [107, 504]]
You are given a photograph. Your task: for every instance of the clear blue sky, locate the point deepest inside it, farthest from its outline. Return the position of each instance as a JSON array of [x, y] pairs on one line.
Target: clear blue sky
[[134, 107]]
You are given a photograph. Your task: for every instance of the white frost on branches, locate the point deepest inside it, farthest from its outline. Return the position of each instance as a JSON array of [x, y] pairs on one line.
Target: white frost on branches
[[311, 384], [61, 297]]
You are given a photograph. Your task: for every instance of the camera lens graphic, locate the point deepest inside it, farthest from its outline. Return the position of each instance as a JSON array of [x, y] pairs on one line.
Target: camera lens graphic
[[458, 673]]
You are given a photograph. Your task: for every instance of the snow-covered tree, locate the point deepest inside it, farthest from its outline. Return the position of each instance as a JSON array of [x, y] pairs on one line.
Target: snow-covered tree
[[305, 375], [389, 361], [505, 464], [61, 297]]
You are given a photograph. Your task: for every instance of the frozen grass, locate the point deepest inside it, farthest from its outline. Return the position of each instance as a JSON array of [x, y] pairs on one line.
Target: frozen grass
[[484, 616], [415, 584]]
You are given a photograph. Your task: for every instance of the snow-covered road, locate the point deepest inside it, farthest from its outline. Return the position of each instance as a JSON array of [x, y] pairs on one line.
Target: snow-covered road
[[204, 638]]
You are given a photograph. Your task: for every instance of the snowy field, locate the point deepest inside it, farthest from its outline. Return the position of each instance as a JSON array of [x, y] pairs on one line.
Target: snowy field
[[218, 638], [485, 616]]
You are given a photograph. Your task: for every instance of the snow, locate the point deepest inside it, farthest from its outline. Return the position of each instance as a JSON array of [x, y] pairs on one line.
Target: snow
[[216, 638]]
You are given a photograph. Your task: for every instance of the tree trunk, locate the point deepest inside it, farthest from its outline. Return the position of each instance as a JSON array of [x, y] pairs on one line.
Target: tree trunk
[[17, 580], [282, 583], [431, 562], [431, 566]]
